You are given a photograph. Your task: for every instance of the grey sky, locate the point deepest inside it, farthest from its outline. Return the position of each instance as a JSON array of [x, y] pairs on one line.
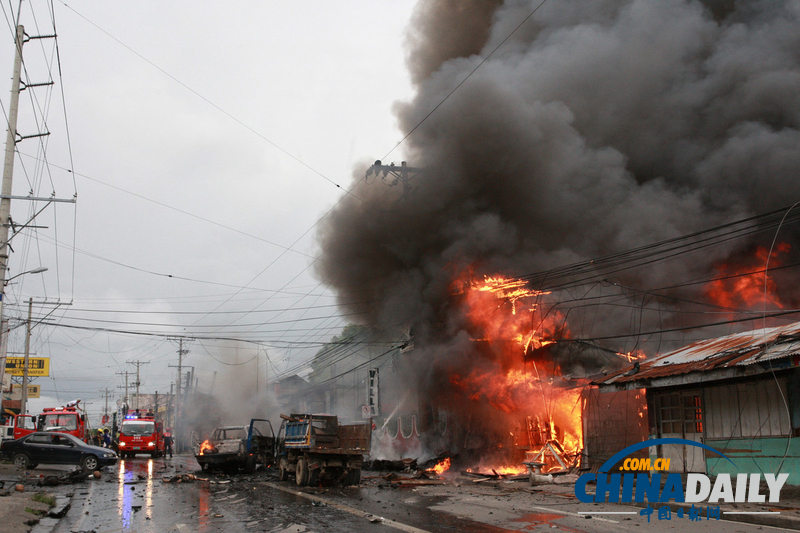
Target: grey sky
[[185, 117]]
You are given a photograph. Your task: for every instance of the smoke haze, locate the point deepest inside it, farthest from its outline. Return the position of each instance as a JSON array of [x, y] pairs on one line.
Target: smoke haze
[[596, 128]]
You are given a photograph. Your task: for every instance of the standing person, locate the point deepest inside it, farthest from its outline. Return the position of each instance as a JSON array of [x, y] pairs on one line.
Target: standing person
[[107, 438], [168, 442]]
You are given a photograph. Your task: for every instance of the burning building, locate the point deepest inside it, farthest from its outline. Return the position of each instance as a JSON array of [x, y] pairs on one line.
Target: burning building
[[607, 160]]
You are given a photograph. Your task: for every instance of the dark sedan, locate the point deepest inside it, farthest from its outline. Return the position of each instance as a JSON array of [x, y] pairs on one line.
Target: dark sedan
[[56, 448]]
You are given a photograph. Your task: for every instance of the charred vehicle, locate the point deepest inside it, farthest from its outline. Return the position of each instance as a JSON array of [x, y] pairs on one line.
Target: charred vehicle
[[238, 447], [317, 448]]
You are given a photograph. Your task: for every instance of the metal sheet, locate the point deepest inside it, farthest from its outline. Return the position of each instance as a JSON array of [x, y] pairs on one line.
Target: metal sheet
[[739, 349]]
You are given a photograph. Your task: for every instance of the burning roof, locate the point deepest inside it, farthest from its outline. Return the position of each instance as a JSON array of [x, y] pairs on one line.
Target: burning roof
[[738, 351]]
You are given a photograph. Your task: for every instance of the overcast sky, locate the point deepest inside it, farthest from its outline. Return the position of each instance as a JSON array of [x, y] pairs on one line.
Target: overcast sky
[[206, 141]]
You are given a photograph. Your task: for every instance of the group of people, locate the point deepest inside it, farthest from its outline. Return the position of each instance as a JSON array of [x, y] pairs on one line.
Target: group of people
[[102, 438]]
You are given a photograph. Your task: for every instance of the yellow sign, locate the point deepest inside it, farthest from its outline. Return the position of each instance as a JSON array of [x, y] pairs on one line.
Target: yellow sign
[[37, 366], [34, 391]]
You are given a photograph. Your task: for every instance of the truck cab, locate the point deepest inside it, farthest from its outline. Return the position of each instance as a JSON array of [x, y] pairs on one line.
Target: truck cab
[[23, 425], [141, 434]]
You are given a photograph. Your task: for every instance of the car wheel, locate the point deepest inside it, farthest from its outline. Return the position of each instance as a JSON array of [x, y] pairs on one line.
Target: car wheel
[[283, 474], [301, 473], [21, 461], [90, 463]]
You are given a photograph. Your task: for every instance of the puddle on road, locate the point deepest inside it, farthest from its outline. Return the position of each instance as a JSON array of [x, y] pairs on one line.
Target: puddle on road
[[135, 494]]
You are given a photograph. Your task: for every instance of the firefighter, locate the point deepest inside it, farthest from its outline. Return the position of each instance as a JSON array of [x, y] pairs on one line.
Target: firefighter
[[168, 442]]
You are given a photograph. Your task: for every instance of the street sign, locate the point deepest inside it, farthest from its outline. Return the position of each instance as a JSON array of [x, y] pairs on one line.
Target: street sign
[[373, 393], [34, 391], [37, 366]]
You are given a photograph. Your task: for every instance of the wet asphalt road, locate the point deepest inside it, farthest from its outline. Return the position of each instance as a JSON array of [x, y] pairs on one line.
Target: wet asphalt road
[[134, 498]]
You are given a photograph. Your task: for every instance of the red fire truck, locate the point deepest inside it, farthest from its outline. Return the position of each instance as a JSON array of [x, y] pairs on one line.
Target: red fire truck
[[67, 419], [141, 434]]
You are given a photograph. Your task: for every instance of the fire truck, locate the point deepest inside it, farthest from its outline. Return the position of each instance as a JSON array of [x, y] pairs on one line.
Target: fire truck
[[67, 419], [141, 433]]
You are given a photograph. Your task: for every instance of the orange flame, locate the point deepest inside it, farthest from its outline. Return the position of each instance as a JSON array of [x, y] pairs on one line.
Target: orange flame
[[520, 378], [206, 445], [747, 291], [442, 466], [634, 355]]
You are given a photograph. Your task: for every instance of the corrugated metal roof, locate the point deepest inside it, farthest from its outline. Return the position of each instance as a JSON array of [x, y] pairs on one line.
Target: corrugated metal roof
[[739, 349]]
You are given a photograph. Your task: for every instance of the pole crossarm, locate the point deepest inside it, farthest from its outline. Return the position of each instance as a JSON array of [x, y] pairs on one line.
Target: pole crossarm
[[38, 198]]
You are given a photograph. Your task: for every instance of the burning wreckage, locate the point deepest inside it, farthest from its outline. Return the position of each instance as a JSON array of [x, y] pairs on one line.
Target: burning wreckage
[[513, 408], [514, 412]]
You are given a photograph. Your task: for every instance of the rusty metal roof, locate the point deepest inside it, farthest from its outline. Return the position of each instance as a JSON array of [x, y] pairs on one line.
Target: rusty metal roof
[[739, 349]]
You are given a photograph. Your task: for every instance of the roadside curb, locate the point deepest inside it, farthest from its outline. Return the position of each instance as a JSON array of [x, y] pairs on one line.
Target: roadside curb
[[56, 513]]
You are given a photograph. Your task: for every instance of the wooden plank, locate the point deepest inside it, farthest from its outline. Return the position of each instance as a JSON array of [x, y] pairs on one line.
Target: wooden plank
[[711, 406], [785, 421], [731, 423], [748, 407]]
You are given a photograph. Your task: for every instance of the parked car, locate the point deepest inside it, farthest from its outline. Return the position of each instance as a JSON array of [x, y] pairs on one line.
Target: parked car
[[56, 448]]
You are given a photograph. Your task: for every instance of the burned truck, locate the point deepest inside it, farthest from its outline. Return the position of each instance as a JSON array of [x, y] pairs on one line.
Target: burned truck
[[316, 448], [236, 448]]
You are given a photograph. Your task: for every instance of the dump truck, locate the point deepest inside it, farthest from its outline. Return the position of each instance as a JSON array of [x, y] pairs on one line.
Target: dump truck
[[237, 447], [316, 448]]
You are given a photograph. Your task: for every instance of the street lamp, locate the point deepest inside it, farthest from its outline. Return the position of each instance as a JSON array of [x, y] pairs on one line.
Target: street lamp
[[34, 271], [3, 333]]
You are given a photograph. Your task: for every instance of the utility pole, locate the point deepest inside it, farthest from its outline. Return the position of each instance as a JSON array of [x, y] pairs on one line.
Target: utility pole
[[5, 191], [23, 405], [138, 382], [126, 374], [170, 407], [105, 411], [178, 425]]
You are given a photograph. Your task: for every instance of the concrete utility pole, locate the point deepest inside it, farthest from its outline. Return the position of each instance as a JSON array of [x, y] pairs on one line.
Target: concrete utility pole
[[24, 404], [107, 392], [178, 425], [138, 382], [5, 191], [126, 374]]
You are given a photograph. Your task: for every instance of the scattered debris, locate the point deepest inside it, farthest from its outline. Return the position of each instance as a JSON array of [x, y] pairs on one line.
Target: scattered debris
[[400, 465], [374, 519], [480, 477], [183, 478]]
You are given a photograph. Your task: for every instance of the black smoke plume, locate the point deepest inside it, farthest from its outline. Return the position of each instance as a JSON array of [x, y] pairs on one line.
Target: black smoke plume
[[595, 128]]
